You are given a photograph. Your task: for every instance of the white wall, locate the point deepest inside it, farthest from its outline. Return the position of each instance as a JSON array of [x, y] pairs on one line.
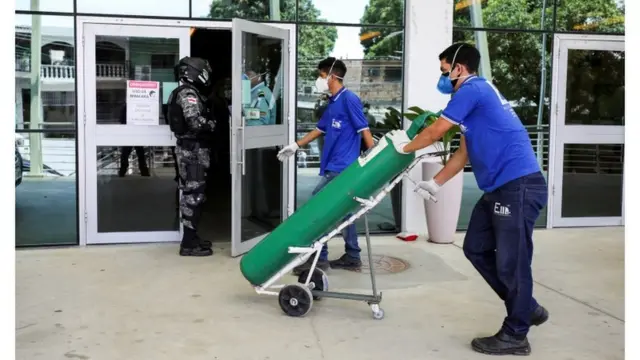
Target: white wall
[[428, 31]]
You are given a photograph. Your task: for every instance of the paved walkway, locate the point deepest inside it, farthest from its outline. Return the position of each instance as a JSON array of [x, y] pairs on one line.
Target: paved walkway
[[144, 302]]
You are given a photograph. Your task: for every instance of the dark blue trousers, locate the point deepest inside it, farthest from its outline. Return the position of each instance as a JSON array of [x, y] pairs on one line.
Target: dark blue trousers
[[350, 234], [499, 244]]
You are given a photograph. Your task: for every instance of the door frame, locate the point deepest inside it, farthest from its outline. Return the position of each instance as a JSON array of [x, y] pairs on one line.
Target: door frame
[[256, 137], [82, 195], [585, 134]]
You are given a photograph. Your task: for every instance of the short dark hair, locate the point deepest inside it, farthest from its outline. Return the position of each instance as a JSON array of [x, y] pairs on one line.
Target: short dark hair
[[467, 55], [337, 66]]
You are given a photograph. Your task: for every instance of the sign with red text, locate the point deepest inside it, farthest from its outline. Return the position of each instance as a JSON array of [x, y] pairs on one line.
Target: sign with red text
[[143, 107]]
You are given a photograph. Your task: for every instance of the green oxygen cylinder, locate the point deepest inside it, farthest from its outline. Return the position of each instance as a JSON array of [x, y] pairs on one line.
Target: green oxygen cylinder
[[329, 207]]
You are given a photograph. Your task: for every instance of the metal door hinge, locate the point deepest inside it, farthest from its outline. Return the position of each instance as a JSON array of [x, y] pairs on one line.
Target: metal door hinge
[[553, 190], [86, 217], [84, 119], [82, 40]]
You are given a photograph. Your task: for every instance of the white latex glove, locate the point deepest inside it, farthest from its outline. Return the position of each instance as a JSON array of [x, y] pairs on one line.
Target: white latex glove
[[427, 189], [399, 139], [288, 151]]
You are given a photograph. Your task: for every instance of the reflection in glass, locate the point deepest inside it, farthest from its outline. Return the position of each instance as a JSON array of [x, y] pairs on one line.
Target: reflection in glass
[[595, 87], [261, 193], [606, 16], [274, 10], [119, 59], [46, 212], [592, 180], [141, 196], [169, 8], [509, 14], [374, 73], [262, 80], [49, 58], [388, 12], [518, 81]]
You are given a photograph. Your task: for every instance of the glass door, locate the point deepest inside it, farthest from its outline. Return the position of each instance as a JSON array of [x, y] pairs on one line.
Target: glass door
[[587, 187], [260, 118], [131, 186]]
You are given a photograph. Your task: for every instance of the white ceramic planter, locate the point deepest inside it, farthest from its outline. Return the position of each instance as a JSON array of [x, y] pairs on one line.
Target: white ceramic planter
[[442, 216]]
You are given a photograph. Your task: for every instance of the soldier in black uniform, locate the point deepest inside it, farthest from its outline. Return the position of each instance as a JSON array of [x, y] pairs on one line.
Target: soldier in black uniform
[[193, 125]]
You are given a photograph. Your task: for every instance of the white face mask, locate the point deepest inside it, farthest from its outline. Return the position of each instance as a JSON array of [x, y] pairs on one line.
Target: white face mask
[[322, 85]]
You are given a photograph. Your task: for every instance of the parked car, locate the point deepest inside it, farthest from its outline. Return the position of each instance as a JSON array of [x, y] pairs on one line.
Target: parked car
[[19, 169]]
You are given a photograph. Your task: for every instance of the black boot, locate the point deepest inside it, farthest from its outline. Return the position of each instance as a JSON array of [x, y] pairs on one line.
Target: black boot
[[190, 245], [502, 344], [539, 316]]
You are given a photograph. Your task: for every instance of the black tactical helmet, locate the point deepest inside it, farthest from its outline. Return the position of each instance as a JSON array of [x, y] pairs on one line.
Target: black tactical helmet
[[196, 71]]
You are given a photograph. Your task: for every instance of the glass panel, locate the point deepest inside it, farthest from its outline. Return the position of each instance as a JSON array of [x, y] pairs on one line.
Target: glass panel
[[49, 102], [261, 193], [606, 16], [119, 59], [169, 8], [595, 87], [596, 170], [262, 80], [374, 73], [137, 189], [388, 12], [274, 10], [46, 211], [511, 14], [45, 5]]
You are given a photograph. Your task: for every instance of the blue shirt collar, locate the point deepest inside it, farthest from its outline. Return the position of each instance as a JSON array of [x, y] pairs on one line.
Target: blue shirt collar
[[337, 95]]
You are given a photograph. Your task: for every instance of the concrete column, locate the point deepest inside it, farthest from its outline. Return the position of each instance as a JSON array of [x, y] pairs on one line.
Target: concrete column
[[428, 31], [35, 120]]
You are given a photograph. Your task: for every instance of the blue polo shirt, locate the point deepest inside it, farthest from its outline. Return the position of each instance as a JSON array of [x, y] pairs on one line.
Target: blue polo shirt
[[341, 123], [498, 145]]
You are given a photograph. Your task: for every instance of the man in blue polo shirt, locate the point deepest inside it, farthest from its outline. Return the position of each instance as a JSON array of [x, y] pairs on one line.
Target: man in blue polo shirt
[[499, 237], [344, 126]]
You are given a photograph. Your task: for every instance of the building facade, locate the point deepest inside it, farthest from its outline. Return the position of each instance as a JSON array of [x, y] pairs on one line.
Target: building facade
[[559, 63]]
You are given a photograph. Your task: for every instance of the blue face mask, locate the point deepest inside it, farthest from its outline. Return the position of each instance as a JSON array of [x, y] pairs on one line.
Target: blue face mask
[[445, 85]]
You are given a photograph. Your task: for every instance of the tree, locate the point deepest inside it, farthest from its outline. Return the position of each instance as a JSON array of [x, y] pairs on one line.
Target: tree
[[315, 42], [382, 41], [515, 56]]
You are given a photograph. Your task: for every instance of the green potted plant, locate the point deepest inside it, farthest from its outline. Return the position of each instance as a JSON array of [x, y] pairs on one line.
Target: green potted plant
[[442, 216]]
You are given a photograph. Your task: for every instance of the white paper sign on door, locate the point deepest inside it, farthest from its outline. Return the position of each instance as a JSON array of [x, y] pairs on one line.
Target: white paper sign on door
[[143, 107]]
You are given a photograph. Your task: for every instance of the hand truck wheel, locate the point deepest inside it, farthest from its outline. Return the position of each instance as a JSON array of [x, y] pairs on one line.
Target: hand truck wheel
[[319, 280], [295, 300], [378, 313]]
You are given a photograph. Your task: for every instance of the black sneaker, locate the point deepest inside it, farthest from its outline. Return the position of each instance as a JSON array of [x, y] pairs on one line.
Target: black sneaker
[[501, 344], [321, 264], [346, 262], [196, 251], [539, 316]]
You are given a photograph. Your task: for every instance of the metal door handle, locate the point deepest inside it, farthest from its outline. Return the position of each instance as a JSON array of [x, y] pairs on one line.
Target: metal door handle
[[242, 152]]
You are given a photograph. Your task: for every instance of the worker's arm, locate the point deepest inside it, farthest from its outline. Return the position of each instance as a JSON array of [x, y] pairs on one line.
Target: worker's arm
[[358, 119], [368, 138], [428, 136], [311, 135], [455, 164]]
